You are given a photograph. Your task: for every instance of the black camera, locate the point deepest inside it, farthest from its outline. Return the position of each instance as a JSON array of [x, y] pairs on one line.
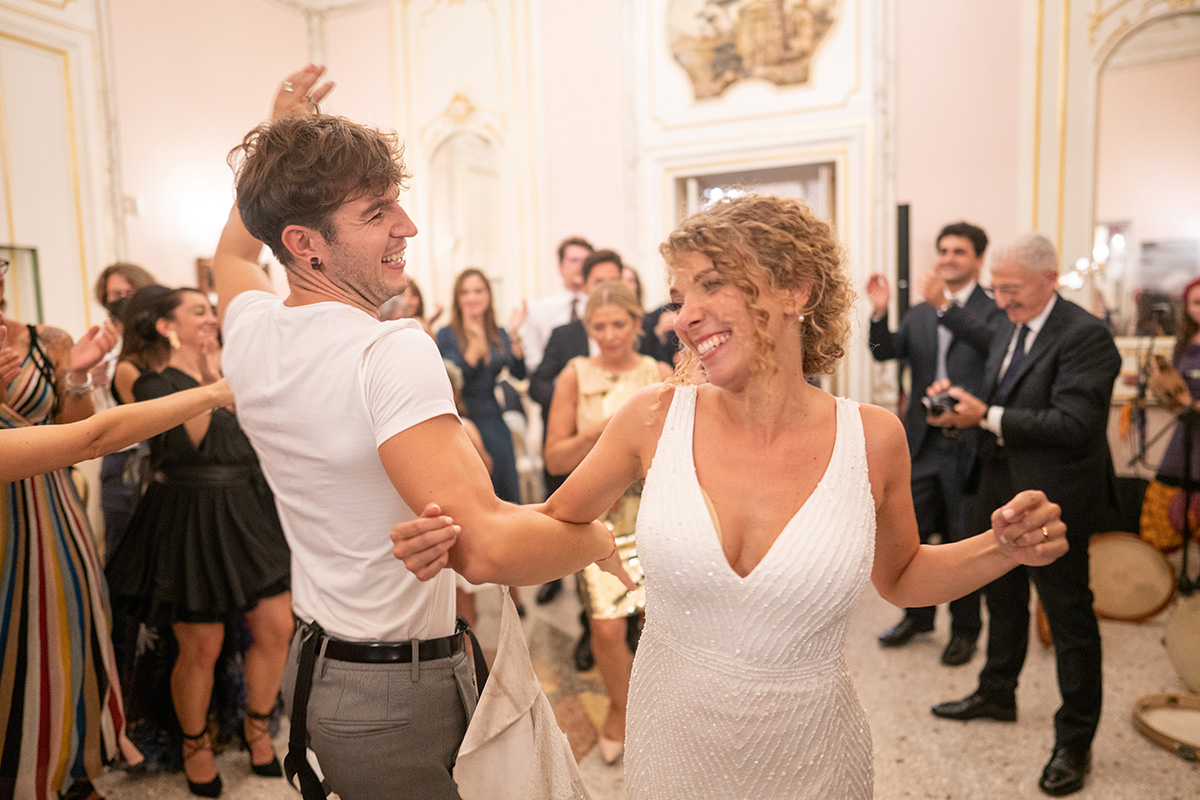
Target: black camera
[[940, 403]]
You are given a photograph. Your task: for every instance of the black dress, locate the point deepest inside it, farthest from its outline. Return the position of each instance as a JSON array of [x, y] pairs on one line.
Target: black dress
[[204, 545], [205, 541]]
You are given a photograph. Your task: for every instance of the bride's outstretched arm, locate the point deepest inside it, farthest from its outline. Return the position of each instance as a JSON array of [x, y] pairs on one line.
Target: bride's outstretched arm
[[1026, 530], [620, 456]]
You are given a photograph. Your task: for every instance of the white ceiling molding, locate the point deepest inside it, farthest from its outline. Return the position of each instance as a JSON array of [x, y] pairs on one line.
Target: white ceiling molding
[[307, 8]]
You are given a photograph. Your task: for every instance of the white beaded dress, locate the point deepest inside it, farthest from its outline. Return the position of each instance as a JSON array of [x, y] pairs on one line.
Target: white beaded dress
[[740, 687]]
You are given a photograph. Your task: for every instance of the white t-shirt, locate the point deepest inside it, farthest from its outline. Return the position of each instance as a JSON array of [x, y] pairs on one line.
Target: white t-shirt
[[542, 317], [319, 388]]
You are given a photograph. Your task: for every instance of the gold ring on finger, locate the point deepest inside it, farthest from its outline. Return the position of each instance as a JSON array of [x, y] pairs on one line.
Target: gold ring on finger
[[1045, 534]]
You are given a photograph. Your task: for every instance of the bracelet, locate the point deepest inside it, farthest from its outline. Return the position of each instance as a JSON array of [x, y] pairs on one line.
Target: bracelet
[[614, 541], [78, 390]]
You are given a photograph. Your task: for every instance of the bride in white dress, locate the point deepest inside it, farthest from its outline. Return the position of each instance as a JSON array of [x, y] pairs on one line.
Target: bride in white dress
[[768, 505]]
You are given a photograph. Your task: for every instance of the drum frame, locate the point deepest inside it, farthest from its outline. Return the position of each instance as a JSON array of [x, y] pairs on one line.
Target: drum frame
[[1122, 535], [1185, 750]]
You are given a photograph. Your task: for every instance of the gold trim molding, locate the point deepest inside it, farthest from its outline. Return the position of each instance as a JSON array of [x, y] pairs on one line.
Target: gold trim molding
[[73, 157], [1146, 8]]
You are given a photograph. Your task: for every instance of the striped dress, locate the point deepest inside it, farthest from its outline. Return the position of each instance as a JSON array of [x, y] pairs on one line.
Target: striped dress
[[60, 705]]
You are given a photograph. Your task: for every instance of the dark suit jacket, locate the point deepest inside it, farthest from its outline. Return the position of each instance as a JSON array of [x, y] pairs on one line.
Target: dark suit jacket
[[973, 325], [651, 346], [1056, 416]]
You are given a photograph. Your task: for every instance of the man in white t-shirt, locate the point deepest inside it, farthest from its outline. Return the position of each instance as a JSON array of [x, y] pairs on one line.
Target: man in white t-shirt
[[355, 427], [566, 305]]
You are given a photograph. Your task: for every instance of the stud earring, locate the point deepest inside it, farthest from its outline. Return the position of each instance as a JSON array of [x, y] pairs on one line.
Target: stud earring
[[800, 318], [315, 262]]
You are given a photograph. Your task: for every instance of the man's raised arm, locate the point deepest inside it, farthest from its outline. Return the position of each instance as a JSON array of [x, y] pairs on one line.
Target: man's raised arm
[[235, 264]]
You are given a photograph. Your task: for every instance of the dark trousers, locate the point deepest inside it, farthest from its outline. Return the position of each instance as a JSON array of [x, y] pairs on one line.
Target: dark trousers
[[1067, 599], [386, 730], [119, 491], [938, 474]]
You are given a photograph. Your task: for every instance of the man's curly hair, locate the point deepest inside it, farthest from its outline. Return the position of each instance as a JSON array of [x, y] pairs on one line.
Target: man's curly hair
[[300, 168]]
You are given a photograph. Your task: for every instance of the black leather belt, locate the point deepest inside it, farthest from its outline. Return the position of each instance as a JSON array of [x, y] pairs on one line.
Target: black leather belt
[[391, 652], [206, 474]]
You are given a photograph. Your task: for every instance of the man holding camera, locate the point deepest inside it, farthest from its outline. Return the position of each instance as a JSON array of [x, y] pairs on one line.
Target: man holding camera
[[945, 337], [1040, 421]]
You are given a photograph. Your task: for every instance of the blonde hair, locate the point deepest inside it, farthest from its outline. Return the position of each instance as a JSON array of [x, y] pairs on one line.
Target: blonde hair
[[776, 243], [612, 293]]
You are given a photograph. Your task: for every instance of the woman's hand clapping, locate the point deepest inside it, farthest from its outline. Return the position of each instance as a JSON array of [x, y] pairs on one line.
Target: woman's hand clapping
[[10, 362], [92, 347]]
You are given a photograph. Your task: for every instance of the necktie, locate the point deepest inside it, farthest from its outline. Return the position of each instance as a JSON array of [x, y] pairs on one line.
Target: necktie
[[574, 311], [945, 337], [1014, 366]]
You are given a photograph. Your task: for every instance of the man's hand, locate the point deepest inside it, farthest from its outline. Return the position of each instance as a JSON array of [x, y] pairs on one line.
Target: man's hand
[[968, 409], [933, 289], [1029, 529], [423, 544], [878, 292], [300, 91]]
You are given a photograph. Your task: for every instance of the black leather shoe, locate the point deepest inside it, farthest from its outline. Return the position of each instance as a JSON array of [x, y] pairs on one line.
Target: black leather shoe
[[584, 660], [548, 591], [974, 706], [901, 632], [958, 651], [1065, 771]]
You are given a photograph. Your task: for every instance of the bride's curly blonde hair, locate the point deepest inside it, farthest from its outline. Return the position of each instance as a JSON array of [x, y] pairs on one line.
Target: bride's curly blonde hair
[[778, 243]]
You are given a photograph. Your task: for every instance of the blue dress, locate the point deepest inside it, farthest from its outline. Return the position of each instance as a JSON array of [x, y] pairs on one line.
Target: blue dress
[[479, 394]]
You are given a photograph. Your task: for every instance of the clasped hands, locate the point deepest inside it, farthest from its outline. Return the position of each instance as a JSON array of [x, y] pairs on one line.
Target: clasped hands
[[1029, 529]]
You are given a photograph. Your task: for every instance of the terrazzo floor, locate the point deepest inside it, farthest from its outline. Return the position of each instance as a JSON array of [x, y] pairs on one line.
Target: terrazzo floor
[[916, 754]]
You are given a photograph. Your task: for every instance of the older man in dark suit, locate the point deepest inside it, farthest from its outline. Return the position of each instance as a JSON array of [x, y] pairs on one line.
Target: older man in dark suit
[[1049, 384], [946, 337]]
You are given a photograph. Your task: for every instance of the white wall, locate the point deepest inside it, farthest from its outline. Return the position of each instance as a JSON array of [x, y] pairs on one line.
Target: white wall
[[584, 102], [1148, 159], [54, 178], [957, 116], [191, 79]]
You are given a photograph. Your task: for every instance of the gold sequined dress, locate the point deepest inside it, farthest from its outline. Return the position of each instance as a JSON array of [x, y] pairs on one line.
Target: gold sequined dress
[[601, 393]]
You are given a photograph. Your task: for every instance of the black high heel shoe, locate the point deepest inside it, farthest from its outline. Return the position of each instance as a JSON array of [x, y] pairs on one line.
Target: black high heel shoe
[[261, 725], [191, 746]]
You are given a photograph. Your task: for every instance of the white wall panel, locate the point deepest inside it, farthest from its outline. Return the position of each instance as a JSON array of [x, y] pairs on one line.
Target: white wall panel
[[53, 155]]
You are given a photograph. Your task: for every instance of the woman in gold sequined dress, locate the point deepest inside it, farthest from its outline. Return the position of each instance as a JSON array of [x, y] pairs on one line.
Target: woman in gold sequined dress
[[588, 393]]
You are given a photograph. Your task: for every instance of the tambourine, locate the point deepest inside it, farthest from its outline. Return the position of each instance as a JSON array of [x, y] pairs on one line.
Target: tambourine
[[1171, 721], [1130, 579], [1166, 384], [1182, 640]]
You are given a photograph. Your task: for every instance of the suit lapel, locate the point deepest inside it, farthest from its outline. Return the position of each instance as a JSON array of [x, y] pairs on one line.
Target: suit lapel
[[996, 358], [977, 301], [1050, 332]]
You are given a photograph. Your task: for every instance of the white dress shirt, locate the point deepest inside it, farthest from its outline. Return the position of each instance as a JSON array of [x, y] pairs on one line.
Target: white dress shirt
[[543, 316], [991, 421]]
